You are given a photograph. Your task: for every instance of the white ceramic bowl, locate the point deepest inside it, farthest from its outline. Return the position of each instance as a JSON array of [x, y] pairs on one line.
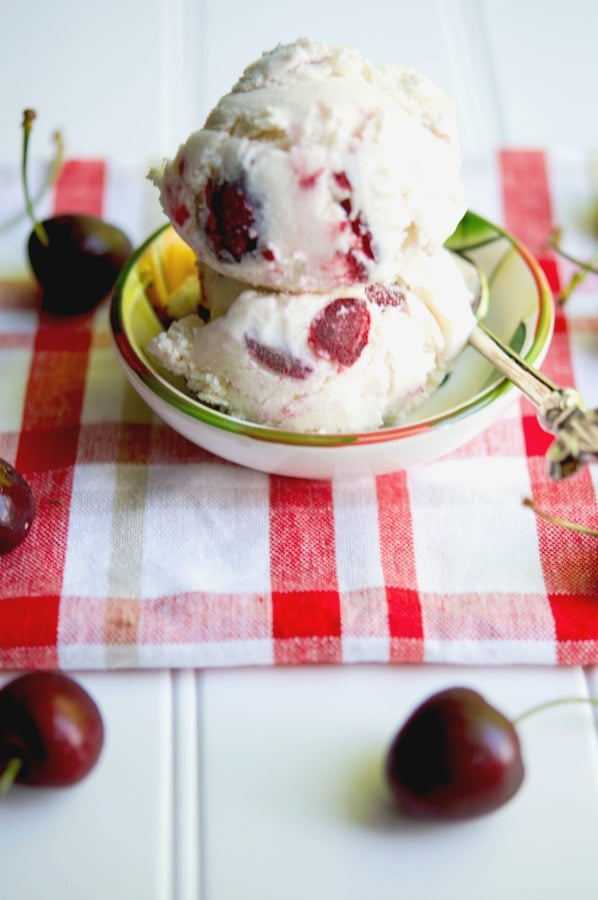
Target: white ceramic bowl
[[520, 312]]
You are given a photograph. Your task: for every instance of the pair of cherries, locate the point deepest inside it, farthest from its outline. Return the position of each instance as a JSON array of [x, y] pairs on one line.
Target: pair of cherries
[[455, 757], [51, 731], [75, 258]]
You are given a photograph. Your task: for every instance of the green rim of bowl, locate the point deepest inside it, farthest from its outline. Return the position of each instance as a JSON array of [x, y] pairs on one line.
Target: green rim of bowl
[[473, 232]]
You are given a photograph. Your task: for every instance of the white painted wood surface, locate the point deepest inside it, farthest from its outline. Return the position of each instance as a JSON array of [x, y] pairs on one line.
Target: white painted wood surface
[[265, 783], [260, 783]]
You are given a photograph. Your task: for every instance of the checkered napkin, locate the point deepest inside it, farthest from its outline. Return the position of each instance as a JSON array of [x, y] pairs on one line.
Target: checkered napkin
[[147, 551]]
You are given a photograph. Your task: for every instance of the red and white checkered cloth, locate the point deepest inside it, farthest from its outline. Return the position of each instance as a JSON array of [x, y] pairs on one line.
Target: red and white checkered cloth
[[147, 551]]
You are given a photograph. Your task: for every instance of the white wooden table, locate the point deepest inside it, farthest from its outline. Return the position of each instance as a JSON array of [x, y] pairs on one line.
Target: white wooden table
[[260, 783], [264, 783]]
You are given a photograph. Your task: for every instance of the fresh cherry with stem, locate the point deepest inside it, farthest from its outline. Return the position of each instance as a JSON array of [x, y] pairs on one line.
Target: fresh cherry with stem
[[51, 731], [457, 757], [75, 258]]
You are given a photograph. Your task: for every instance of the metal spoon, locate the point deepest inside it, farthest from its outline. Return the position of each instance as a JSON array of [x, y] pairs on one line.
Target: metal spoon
[[560, 409]]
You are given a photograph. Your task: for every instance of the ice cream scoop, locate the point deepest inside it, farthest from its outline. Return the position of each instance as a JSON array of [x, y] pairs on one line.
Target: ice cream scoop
[[353, 359], [319, 169]]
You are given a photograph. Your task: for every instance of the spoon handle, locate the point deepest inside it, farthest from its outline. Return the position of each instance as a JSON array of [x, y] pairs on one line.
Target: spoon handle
[[560, 410]]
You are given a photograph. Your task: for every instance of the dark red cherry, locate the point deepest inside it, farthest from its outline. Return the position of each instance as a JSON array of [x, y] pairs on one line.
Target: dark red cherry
[[79, 264], [230, 226], [75, 258], [17, 507], [456, 757], [340, 331], [51, 731]]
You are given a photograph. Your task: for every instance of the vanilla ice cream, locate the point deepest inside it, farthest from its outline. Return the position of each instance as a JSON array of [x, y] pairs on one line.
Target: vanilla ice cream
[[351, 359], [317, 198], [318, 169]]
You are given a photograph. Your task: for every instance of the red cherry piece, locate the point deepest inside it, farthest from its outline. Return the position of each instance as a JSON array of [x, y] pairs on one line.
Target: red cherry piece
[[52, 725], [361, 232], [181, 214], [230, 226], [382, 295], [456, 757], [309, 180], [17, 507], [342, 181], [340, 331], [355, 269], [364, 242], [365, 237], [277, 361]]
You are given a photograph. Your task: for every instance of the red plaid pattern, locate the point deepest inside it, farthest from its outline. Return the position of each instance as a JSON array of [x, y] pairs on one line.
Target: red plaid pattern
[[147, 551]]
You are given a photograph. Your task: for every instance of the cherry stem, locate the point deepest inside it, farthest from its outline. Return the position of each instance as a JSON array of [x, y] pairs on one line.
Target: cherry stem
[[585, 267], [550, 703], [9, 775], [563, 523], [28, 119], [51, 177]]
